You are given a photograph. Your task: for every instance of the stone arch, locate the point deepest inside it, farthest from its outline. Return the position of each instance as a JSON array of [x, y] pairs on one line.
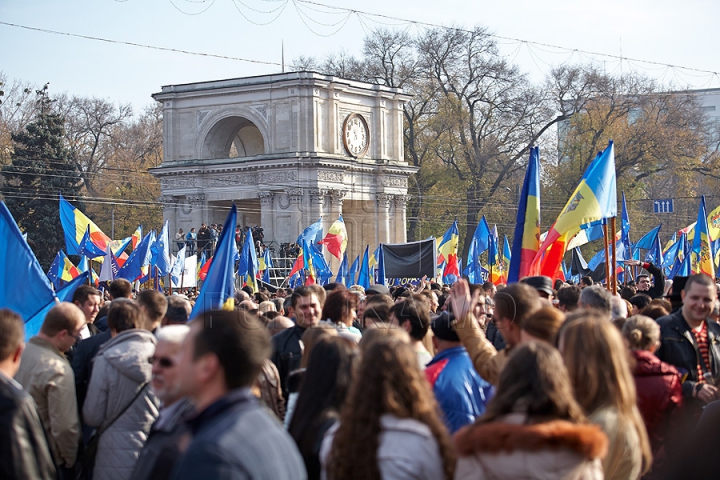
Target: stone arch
[[233, 132]]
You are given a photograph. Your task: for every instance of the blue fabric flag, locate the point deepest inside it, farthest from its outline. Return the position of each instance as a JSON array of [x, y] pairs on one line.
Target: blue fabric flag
[[480, 237], [161, 251], [352, 274], [178, 267], [56, 270], [320, 265], [140, 257], [364, 274], [88, 248], [625, 227], [24, 287], [65, 294], [218, 290], [267, 259], [248, 265], [648, 240], [342, 271], [380, 270], [311, 234]]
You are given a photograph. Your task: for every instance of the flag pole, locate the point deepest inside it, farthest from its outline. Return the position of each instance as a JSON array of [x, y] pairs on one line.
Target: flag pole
[[90, 270], [613, 232], [607, 256]]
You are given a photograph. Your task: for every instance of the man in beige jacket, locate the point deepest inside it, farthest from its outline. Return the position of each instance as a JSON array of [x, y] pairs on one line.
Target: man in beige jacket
[[47, 376], [513, 304]]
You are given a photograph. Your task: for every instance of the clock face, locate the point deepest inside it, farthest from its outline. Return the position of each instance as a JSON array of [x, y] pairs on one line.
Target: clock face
[[356, 135]]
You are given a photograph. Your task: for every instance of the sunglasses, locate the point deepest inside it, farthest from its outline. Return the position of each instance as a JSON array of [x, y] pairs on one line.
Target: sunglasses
[[164, 362]]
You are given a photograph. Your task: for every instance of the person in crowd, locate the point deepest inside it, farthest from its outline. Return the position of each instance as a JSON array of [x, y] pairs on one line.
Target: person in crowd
[[389, 426], [162, 448], [596, 297], [267, 389], [432, 299], [542, 325], [513, 305], [178, 311], [627, 292], [324, 387], [542, 284], [655, 311], [379, 331], [47, 376], [204, 241], [658, 384], [320, 293], [639, 302], [233, 436], [597, 361], [287, 349], [490, 289], [24, 450], [180, 239], [88, 299], [267, 306], [377, 289], [191, 241], [691, 343], [586, 282], [119, 401], [533, 427], [85, 351], [656, 289], [413, 316], [376, 309], [339, 311], [618, 308], [460, 391], [278, 324], [154, 305], [309, 338]]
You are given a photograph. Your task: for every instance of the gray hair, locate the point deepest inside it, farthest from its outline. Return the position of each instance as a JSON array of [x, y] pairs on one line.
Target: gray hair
[[618, 307], [596, 297], [174, 334]]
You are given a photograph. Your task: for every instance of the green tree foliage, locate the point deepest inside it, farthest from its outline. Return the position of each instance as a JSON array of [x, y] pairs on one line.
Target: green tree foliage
[[40, 168]]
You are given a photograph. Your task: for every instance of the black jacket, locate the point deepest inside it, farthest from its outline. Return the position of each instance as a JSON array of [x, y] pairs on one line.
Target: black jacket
[[237, 438], [24, 450], [162, 448], [287, 354], [658, 289], [678, 348], [85, 351]]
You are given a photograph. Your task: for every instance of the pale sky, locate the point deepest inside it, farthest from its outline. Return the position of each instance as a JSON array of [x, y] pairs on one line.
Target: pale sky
[[663, 31]]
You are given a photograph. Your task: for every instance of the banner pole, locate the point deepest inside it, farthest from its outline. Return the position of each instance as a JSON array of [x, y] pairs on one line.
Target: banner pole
[[607, 257]]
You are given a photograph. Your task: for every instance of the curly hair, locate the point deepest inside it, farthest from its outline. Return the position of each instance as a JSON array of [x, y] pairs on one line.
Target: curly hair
[[389, 381]]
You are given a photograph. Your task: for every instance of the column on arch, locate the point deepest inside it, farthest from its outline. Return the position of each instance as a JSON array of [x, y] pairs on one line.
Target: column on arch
[[267, 214], [400, 219], [383, 216]]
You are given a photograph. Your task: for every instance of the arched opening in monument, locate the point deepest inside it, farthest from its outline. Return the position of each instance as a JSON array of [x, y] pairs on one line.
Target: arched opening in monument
[[233, 137]]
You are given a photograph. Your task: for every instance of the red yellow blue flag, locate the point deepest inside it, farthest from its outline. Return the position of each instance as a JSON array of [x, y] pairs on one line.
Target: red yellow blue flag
[[336, 239], [448, 248], [526, 241], [702, 256]]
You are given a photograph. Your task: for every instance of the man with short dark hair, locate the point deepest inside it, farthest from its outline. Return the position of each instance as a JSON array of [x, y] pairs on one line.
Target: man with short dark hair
[[513, 304], [47, 376], [490, 289], [413, 315], [691, 342], [178, 311], [154, 304], [119, 288], [586, 282], [643, 280], [287, 349], [24, 450], [233, 435], [568, 298], [88, 299]]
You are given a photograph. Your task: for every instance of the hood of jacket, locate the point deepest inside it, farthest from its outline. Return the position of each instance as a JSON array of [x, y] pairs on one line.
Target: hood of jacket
[[587, 440], [647, 364], [129, 352]]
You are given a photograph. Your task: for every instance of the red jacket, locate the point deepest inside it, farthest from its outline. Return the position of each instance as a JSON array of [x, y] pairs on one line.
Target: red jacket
[[659, 395]]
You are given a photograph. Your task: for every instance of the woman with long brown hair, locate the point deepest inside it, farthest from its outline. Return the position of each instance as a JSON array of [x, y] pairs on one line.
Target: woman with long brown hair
[[597, 361], [533, 427], [390, 425]]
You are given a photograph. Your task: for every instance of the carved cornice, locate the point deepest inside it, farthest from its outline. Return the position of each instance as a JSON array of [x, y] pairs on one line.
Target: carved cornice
[[317, 195], [195, 199], [266, 198], [295, 195]]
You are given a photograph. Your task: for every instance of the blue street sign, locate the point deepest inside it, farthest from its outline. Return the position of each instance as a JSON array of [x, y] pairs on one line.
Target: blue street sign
[[663, 205]]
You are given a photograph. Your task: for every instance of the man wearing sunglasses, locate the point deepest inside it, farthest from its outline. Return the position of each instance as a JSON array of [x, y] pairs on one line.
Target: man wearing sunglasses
[[162, 449]]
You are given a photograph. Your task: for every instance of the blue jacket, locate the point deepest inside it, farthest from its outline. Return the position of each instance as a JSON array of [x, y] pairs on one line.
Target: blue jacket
[[461, 392]]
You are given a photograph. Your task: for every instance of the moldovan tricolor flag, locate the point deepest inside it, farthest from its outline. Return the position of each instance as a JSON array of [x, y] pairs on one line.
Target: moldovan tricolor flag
[[449, 248], [75, 224], [526, 241], [595, 198], [702, 256], [336, 238]]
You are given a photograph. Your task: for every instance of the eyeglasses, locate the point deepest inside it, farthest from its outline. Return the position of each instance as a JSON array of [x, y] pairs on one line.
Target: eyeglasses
[[164, 362]]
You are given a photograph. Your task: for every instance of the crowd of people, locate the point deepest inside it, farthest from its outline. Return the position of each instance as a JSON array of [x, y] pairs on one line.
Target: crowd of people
[[530, 380]]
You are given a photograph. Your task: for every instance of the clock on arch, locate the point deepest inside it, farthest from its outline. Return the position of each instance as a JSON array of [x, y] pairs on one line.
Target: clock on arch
[[356, 135]]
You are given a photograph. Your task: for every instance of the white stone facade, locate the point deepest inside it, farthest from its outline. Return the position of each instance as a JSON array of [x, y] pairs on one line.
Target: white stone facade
[[274, 146]]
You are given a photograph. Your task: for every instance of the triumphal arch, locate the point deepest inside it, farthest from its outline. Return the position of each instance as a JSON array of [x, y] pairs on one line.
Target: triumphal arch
[[288, 149]]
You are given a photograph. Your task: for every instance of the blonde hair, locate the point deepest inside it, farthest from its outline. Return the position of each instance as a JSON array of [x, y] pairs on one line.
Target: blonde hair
[[641, 332], [597, 361]]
